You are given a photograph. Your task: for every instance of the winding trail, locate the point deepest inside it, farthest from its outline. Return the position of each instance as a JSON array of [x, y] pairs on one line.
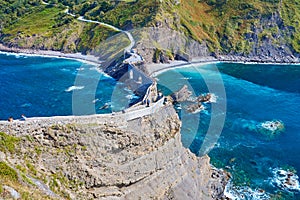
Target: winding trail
[[81, 18], [128, 34]]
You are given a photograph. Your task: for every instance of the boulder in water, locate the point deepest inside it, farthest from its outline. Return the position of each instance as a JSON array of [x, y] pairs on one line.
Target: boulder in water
[[182, 95], [271, 128], [195, 108]]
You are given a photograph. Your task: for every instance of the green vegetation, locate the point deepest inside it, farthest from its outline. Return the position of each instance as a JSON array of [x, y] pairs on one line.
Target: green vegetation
[[49, 27], [9, 177], [31, 168], [58, 180], [8, 142], [225, 26], [156, 56], [32, 24], [122, 14], [11, 10], [290, 13], [92, 35], [7, 172]]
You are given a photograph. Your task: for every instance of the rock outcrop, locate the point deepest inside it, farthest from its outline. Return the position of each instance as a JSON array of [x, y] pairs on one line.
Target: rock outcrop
[[182, 95], [170, 43], [120, 156]]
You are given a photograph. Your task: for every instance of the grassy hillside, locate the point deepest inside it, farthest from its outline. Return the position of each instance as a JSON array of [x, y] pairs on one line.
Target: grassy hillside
[[226, 24], [48, 27], [235, 26], [290, 12], [16, 178], [123, 14]]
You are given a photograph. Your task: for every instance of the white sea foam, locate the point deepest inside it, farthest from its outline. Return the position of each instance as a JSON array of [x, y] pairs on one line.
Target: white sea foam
[[72, 88], [65, 70], [131, 96], [199, 109], [192, 99], [285, 180], [95, 101], [244, 192], [272, 127], [80, 69], [213, 98], [51, 55], [26, 105], [186, 78]]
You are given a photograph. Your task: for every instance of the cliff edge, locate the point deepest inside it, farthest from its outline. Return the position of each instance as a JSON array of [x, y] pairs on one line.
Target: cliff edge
[[133, 155]]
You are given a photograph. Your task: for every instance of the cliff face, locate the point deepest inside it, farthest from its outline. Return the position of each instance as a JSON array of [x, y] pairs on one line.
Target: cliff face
[[256, 30], [121, 156], [259, 30], [271, 44]]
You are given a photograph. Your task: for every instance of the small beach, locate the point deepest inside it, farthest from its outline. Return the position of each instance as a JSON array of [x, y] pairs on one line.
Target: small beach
[[90, 59]]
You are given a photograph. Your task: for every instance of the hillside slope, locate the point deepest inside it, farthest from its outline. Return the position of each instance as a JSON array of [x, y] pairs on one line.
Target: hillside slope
[[238, 27], [265, 28]]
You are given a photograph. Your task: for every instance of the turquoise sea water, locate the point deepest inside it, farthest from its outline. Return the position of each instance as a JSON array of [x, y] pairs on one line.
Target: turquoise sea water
[[44, 86], [258, 159]]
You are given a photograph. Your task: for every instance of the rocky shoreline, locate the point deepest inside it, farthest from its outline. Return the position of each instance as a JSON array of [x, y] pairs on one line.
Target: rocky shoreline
[[259, 59], [194, 177], [153, 68], [156, 68]]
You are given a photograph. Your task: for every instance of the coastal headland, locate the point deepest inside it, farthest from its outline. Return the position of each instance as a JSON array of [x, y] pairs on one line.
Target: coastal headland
[[130, 155], [136, 153]]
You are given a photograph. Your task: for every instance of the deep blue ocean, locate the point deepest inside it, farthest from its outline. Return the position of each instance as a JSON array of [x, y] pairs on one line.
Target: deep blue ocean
[[45, 86], [229, 130], [263, 163]]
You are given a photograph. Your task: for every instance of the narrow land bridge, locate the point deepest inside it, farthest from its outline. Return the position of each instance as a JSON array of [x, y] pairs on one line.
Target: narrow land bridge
[[151, 93]]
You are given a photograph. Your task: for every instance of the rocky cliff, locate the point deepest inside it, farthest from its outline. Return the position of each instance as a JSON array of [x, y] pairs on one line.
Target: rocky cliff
[[120, 156], [229, 30], [261, 30]]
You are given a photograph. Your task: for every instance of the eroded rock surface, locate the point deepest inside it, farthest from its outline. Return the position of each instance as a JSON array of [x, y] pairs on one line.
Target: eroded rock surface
[[111, 157]]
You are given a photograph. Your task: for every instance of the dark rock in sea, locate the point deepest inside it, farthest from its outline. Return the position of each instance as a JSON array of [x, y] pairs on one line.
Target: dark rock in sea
[[195, 108], [182, 95]]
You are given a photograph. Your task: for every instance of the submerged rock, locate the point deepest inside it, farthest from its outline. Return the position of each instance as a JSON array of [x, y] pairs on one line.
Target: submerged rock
[[286, 180], [271, 128]]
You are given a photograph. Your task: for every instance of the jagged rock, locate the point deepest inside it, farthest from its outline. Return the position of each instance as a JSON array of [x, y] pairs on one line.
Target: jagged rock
[[2, 156], [13, 193], [121, 156], [182, 47], [195, 108], [182, 95]]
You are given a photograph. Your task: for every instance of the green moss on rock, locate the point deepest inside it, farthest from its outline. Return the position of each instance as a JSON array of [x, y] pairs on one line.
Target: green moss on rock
[[8, 142], [7, 172]]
